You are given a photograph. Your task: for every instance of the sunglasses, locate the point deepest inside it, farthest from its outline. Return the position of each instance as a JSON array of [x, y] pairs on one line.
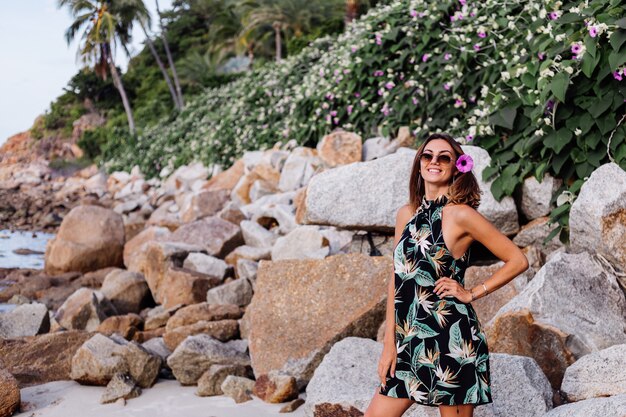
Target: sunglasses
[[428, 157]]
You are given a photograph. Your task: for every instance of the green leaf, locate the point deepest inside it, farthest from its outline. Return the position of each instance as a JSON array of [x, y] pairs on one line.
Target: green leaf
[[589, 64], [569, 18], [621, 23], [559, 85], [617, 59], [601, 105], [590, 45], [617, 39], [505, 117]]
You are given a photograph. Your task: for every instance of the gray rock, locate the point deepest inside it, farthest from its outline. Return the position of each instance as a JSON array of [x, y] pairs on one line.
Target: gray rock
[[197, 353], [206, 264], [85, 309], [256, 235], [283, 214], [597, 217], [94, 363], [535, 232], [128, 291], [238, 388], [237, 292], [374, 148], [339, 241], [157, 347], [298, 169], [304, 242], [246, 269], [614, 406], [576, 294], [598, 374], [25, 320], [120, 386], [210, 383], [536, 195]]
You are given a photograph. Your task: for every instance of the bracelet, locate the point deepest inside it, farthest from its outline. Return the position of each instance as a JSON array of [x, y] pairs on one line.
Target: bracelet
[[486, 292]]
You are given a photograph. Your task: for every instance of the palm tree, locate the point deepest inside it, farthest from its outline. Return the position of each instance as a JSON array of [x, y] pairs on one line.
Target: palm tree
[[181, 101], [103, 29]]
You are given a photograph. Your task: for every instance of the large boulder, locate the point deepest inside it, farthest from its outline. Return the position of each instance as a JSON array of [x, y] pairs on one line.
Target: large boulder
[[367, 195], [289, 300], [597, 219], [90, 238], [85, 309], [536, 196], [217, 236], [340, 148], [614, 406], [24, 320], [127, 291]]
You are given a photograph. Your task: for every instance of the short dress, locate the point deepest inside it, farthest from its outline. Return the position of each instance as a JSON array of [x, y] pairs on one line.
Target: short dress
[[443, 358]]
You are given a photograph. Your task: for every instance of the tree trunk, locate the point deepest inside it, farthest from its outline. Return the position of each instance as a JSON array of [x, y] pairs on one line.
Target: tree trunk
[[170, 61], [352, 7], [161, 67], [276, 26], [117, 82]]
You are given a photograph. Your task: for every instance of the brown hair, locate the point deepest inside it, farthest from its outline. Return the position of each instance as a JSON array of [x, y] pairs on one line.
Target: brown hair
[[463, 189]]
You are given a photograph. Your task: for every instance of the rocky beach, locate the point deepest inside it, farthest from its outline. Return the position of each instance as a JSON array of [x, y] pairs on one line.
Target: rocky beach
[[261, 289]]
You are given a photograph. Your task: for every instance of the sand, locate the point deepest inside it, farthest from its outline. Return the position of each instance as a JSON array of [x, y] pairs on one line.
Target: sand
[[165, 398]]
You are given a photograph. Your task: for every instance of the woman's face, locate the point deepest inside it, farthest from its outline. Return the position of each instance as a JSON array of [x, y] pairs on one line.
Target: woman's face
[[437, 169]]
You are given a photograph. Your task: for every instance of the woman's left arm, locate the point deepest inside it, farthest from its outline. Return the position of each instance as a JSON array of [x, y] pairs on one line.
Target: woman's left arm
[[481, 229]]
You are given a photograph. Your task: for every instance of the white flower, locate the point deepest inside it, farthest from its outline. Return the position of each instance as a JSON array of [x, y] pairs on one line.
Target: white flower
[[539, 132], [578, 132], [505, 75], [569, 70], [547, 121]]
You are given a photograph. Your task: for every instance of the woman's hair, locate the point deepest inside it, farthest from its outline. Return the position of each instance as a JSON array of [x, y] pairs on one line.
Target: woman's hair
[[463, 189]]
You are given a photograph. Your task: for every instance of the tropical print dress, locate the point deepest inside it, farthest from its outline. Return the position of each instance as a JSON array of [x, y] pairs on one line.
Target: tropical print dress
[[443, 358]]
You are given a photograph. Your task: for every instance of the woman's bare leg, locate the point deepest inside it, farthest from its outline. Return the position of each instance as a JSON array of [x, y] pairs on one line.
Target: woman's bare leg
[[385, 406], [462, 410]]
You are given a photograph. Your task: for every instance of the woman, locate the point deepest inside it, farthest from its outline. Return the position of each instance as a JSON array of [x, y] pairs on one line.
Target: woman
[[435, 351]]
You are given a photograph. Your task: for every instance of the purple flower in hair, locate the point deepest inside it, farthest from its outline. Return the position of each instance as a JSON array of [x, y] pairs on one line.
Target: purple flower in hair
[[464, 163]]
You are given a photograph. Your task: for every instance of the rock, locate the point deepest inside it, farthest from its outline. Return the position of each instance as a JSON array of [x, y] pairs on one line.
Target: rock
[[165, 216], [186, 175], [94, 362], [85, 309], [291, 406], [256, 235], [598, 374], [135, 245], [534, 233], [203, 312], [536, 196], [518, 333], [142, 365], [39, 359], [238, 388], [222, 330], [127, 291], [120, 386], [260, 172], [371, 244], [156, 346], [126, 326], [218, 237], [585, 291], [288, 301], [238, 292], [205, 264], [158, 316], [299, 167], [74, 250], [181, 286], [304, 242], [226, 179], [197, 353], [204, 203], [210, 383], [10, 398], [332, 195], [597, 217], [25, 320], [247, 252], [246, 269], [339, 241], [374, 148], [340, 148], [276, 387], [614, 406]]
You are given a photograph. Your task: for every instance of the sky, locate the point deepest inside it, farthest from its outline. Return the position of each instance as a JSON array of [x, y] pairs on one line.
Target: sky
[[36, 60]]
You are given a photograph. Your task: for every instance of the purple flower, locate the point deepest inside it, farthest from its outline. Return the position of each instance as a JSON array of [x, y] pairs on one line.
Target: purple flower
[[593, 31], [330, 96], [421, 14], [458, 102], [576, 48], [464, 163], [472, 14], [425, 57], [333, 113], [357, 95], [390, 85], [378, 73], [415, 100], [349, 108], [379, 39], [452, 18], [618, 75], [472, 99], [476, 47], [469, 138], [541, 56], [401, 76], [553, 15], [354, 48], [336, 120], [463, 2], [413, 13], [381, 91], [447, 56], [446, 86], [482, 34], [549, 107]]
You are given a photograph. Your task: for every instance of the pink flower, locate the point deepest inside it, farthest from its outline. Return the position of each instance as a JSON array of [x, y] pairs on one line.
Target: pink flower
[[476, 47], [336, 120], [381, 91], [472, 14], [618, 75], [379, 39], [447, 56], [464, 163], [354, 48], [378, 73], [425, 57], [413, 13], [446, 86], [593, 31], [452, 18], [333, 113], [389, 85], [482, 34], [576, 48], [469, 137], [357, 95], [472, 99], [553, 15], [458, 102], [421, 14], [541, 56], [463, 2], [330, 96], [349, 108], [415, 100]]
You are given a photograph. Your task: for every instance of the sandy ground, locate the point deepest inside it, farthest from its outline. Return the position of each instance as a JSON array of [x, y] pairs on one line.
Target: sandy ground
[[165, 398]]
